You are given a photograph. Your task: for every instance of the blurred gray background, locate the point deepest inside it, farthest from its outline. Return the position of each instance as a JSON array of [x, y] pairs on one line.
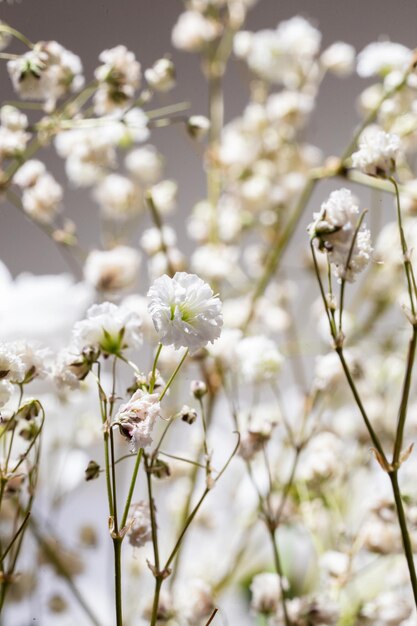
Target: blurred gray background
[[88, 26]]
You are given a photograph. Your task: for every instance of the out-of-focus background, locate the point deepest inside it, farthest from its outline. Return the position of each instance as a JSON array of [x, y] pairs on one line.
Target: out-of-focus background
[[88, 26]]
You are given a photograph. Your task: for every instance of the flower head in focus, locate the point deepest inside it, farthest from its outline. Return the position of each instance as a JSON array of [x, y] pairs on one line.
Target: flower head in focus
[[334, 228], [137, 418], [184, 310]]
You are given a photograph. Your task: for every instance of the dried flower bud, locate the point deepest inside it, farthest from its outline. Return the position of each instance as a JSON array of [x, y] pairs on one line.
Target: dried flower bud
[[161, 469], [188, 415], [198, 389], [92, 471], [198, 126], [29, 410]]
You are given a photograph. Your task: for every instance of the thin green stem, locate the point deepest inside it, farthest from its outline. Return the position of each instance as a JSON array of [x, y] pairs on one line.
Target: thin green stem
[[172, 378], [155, 363], [131, 488], [402, 415], [408, 268], [117, 544], [408, 549]]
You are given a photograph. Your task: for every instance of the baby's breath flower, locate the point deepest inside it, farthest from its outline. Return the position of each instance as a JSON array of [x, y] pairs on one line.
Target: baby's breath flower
[[161, 76], [334, 228], [184, 310], [266, 593], [109, 328], [259, 359], [139, 524], [137, 418], [112, 270], [377, 153]]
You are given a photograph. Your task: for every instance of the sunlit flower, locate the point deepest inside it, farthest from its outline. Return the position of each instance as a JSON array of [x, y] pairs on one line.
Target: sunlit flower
[[185, 311], [137, 418]]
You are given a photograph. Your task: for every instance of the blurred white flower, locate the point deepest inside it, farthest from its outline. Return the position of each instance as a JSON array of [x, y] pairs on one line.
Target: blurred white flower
[[266, 593], [193, 31], [161, 76], [145, 164], [112, 270], [381, 57], [339, 58], [259, 359], [139, 524]]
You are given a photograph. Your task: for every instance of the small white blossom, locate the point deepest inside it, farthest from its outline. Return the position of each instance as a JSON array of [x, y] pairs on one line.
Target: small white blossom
[[6, 391], [12, 118], [334, 228], [108, 327], [11, 365], [139, 525], [381, 57], [151, 240], [112, 270], [339, 58], [47, 73], [266, 593], [161, 76], [119, 77], [377, 152], [137, 418], [193, 31], [185, 311], [259, 359], [164, 196], [145, 164], [29, 173], [41, 201], [118, 197]]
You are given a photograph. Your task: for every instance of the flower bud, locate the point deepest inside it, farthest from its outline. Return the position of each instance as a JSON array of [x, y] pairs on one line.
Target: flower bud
[[161, 76], [198, 389], [198, 126], [188, 415]]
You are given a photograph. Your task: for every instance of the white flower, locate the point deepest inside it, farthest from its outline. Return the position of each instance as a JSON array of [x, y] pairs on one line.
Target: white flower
[[118, 197], [6, 391], [137, 418], [41, 201], [334, 228], [108, 327], [215, 261], [185, 311], [12, 118], [164, 196], [145, 164], [47, 72], [377, 152], [291, 107], [12, 367], [193, 31], [339, 58], [198, 126], [259, 359], [161, 76], [33, 358], [29, 173], [381, 57], [266, 593], [322, 457], [112, 270], [119, 77], [139, 525], [196, 603], [151, 240], [69, 368]]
